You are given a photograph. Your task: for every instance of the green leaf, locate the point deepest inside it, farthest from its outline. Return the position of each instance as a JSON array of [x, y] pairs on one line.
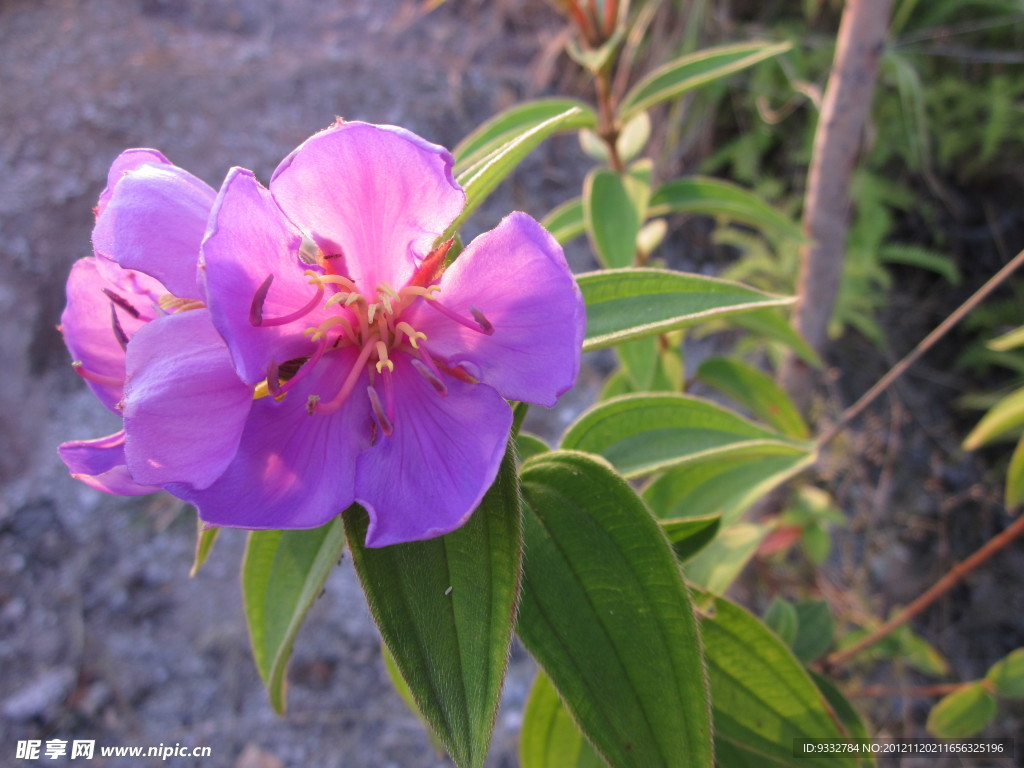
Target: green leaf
[[1007, 676], [772, 325], [205, 538], [639, 359], [616, 385], [689, 535], [923, 258], [625, 304], [962, 714], [1008, 341], [529, 445], [756, 391], [480, 179], [549, 738], [614, 209], [283, 572], [651, 235], [781, 616], [508, 125], [565, 222], [762, 697], [920, 654], [445, 607], [714, 197], [689, 72], [1005, 416], [815, 630], [852, 723], [605, 613], [716, 567], [402, 689], [646, 433], [633, 136], [727, 484], [1015, 477]]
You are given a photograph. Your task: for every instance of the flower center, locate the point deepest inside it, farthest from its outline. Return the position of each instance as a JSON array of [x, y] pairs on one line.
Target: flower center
[[371, 324]]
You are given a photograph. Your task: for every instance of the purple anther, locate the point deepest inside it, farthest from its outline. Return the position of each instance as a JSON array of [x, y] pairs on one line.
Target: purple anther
[[121, 301], [256, 308], [119, 334], [481, 320], [378, 410], [430, 376]]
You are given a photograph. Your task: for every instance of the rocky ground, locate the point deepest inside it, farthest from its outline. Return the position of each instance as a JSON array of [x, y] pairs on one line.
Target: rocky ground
[[102, 634]]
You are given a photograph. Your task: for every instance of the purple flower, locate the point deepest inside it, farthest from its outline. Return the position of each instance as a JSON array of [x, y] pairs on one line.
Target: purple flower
[[139, 338], [380, 376]]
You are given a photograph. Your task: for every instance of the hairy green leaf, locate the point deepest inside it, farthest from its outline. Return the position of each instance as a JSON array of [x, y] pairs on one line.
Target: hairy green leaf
[[606, 614], [624, 304], [692, 71], [445, 608], [282, 574]]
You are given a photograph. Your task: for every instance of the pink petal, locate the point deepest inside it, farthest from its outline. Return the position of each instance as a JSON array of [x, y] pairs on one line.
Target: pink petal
[[184, 406], [88, 323], [428, 477], [153, 220], [249, 240], [379, 195], [293, 469], [516, 275], [100, 464], [129, 160]]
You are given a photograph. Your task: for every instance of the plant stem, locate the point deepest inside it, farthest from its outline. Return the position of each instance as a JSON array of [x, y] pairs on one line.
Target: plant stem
[[607, 129], [933, 593], [925, 344], [919, 692], [837, 142]]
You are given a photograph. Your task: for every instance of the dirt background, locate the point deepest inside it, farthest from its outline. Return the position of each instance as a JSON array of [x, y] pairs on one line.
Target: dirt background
[[102, 634]]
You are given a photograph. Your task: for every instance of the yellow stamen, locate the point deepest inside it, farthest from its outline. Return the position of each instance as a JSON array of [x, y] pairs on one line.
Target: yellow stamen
[[169, 302], [344, 282], [412, 333], [341, 296], [382, 354], [321, 330]]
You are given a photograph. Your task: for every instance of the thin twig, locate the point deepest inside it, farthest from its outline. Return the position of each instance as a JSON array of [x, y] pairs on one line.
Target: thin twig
[[933, 593], [927, 343], [915, 692]]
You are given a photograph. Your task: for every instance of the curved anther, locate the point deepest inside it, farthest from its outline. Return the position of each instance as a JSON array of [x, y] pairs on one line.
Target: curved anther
[[413, 335], [426, 373], [378, 410], [479, 323], [382, 357], [121, 301], [481, 320], [95, 378], [119, 334], [273, 379], [306, 368], [256, 309]]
